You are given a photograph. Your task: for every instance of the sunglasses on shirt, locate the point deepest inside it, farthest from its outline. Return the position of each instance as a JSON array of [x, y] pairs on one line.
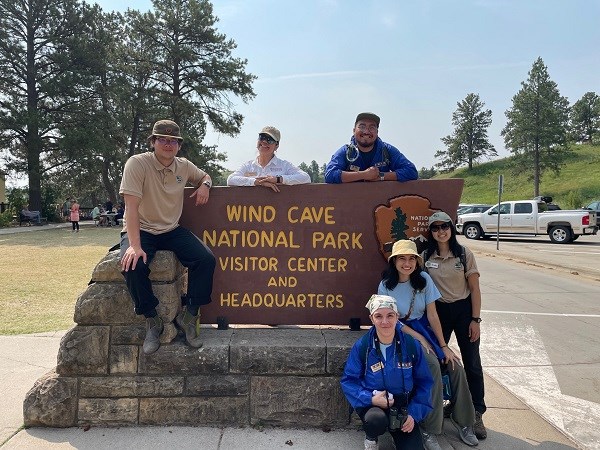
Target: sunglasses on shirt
[[444, 226]]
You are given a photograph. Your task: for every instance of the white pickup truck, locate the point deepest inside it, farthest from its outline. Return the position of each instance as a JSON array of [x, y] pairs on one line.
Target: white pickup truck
[[528, 217]]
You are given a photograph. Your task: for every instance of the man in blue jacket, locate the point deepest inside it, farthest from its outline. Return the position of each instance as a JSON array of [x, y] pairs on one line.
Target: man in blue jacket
[[387, 376], [368, 158]]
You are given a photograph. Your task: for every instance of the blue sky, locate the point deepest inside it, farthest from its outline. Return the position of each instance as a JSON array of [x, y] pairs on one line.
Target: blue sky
[[321, 62]]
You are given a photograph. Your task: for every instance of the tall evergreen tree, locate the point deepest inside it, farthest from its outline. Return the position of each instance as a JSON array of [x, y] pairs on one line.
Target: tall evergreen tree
[[536, 130], [194, 73], [585, 118], [43, 77], [469, 141]]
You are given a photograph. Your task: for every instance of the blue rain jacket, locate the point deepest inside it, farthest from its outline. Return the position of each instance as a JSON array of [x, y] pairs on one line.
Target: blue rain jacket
[[411, 376], [405, 170]]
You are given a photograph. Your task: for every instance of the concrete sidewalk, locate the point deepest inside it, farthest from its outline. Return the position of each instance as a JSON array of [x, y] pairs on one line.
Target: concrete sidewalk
[[511, 424]]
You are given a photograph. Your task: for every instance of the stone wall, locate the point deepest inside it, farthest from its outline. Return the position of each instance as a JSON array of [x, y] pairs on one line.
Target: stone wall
[[243, 376]]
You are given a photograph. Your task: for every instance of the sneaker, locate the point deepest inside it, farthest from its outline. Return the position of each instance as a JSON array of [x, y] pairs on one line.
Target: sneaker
[[371, 445], [430, 441], [154, 328], [479, 427], [190, 326], [466, 434]]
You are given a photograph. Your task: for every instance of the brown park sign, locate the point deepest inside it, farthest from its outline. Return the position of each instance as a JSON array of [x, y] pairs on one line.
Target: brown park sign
[[312, 254]]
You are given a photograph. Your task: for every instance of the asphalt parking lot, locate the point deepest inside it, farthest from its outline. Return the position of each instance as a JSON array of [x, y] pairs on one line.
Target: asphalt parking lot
[[581, 257]]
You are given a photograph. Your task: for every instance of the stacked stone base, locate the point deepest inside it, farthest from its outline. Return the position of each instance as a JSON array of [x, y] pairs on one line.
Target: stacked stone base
[[240, 377]]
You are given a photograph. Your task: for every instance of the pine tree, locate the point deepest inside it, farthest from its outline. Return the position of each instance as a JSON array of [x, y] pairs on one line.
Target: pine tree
[[469, 141], [536, 131], [585, 118]]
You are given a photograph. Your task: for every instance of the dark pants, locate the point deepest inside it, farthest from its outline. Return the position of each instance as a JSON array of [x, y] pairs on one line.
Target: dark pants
[[456, 317], [75, 225], [191, 252], [375, 423]]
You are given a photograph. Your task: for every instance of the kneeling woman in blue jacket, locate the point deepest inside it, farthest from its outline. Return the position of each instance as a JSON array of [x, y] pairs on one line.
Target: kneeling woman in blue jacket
[[386, 379]]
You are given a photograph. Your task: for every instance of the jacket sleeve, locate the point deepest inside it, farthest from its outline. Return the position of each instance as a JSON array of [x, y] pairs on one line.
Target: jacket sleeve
[[335, 167], [238, 178], [420, 404], [352, 380], [294, 175], [405, 170]]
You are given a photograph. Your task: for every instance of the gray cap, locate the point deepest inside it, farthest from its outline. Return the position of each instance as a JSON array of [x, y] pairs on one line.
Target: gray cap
[[439, 216], [367, 116]]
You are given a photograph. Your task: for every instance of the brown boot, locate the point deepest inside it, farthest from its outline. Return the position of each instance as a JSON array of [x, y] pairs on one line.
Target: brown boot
[[479, 427], [190, 326]]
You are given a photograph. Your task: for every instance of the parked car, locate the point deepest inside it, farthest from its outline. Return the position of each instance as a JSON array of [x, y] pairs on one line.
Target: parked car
[[468, 209], [594, 206], [476, 208]]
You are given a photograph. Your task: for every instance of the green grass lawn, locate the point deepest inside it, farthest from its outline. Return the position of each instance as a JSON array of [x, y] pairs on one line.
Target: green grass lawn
[[576, 185], [43, 272]]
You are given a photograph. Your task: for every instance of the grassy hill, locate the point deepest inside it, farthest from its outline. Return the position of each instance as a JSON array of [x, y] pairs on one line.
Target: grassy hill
[[577, 184]]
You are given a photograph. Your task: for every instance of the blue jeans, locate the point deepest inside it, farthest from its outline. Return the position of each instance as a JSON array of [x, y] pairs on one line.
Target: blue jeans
[[191, 252]]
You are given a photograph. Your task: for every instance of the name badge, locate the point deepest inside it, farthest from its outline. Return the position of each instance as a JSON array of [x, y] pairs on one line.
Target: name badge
[[431, 265], [376, 367], [250, 174]]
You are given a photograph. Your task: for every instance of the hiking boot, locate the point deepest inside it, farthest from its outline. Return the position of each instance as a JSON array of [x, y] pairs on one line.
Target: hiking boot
[[466, 434], [190, 326], [371, 445], [430, 441], [154, 328], [479, 427]]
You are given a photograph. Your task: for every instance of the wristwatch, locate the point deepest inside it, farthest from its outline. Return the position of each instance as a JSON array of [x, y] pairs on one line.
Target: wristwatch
[[381, 176], [279, 179], [207, 183], [476, 319]]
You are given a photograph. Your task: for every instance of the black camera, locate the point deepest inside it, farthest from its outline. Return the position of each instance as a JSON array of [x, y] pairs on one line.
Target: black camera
[[397, 417]]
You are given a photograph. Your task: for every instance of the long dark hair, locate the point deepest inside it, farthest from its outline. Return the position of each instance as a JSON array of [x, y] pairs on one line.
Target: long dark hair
[[391, 277], [455, 247]]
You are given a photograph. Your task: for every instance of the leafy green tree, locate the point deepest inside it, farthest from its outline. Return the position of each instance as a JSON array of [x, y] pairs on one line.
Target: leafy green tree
[[469, 141], [317, 175], [585, 118], [536, 130], [43, 76], [426, 173]]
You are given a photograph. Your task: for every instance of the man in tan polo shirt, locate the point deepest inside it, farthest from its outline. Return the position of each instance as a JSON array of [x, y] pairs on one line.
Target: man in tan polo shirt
[[153, 187]]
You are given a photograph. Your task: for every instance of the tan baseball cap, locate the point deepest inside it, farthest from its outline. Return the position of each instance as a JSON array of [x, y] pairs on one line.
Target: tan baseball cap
[[271, 131]]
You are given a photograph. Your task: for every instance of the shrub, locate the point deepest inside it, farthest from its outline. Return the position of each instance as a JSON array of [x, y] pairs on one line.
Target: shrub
[[6, 218], [574, 200]]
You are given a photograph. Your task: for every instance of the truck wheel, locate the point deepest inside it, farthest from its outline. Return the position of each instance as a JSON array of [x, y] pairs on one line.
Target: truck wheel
[[560, 234], [472, 231]]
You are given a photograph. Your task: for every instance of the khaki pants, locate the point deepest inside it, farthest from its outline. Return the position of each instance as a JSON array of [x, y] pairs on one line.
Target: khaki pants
[[463, 412]]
